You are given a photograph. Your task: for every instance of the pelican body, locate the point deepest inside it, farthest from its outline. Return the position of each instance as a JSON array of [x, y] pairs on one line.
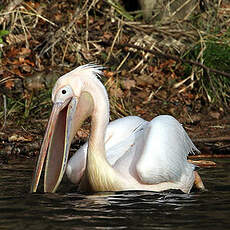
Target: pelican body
[[126, 154]]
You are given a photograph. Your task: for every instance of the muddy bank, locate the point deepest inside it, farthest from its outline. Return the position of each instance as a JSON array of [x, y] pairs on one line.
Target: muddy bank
[[210, 135]]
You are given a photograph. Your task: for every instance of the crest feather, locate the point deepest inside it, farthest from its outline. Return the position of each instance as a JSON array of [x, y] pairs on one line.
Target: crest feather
[[96, 69]]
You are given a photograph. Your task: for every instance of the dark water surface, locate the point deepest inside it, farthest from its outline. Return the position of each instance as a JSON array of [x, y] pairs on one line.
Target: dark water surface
[[125, 210]]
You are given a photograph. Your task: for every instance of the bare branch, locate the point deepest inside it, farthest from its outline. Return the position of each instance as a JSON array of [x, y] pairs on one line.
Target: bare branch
[[11, 6], [160, 54]]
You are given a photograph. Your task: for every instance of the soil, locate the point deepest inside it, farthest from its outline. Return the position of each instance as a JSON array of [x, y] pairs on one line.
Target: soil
[[210, 134]]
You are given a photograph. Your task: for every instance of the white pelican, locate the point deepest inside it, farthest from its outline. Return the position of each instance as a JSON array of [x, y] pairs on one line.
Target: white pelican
[[126, 154]]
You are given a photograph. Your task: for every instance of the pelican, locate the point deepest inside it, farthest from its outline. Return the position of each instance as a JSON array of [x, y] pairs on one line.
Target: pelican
[[129, 153]]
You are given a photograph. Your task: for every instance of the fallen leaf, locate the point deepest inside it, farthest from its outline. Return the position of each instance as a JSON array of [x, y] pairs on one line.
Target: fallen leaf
[[27, 61], [142, 94], [144, 80], [116, 92], [21, 60], [24, 52], [12, 39], [17, 72], [12, 53], [107, 35], [128, 84], [152, 69], [17, 138], [195, 118], [215, 115], [26, 68], [58, 17], [9, 84], [108, 73]]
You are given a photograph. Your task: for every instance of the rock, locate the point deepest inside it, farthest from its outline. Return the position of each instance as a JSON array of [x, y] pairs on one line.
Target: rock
[[214, 114]]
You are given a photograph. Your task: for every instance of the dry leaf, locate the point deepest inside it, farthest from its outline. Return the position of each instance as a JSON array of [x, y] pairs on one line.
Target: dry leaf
[[116, 92], [107, 35], [13, 52], [128, 84], [25, 52], [108, 73], [27, 61], [9, 84], [21, 60], [58, 17], [144, 80], [215, 115], [17, 72], [12, 39], [26, 68], [17, 138]]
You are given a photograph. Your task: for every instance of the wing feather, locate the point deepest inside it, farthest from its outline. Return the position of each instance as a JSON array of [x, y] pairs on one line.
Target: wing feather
[[155, 151], [165, 150], [118, 139]]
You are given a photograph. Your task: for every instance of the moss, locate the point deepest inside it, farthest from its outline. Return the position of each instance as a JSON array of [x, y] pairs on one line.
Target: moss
[[213, 53]]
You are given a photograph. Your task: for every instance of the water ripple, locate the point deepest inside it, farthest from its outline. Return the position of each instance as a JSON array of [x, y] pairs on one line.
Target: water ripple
[[121, 210]]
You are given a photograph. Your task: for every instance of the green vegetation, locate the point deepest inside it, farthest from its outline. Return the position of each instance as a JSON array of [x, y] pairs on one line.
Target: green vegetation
[[2, 34], [213, 51], [36, 106], [120, 10]]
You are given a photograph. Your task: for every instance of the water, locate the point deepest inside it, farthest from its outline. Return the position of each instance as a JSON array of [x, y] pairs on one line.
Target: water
[[68, 209]]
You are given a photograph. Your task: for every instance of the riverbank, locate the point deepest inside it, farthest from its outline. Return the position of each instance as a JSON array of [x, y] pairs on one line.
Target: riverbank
[[176, 67]]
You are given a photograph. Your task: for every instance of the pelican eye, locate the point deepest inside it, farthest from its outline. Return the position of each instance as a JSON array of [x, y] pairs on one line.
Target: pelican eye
[[63, 91]]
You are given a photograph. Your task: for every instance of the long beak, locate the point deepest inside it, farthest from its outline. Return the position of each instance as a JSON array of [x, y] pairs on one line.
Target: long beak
[[57, 140], [65, 119]]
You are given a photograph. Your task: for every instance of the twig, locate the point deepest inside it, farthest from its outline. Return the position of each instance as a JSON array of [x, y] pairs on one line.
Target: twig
[[120, 9], [64, 52], [113, 43], [203, 163], [123, 61], [212, 139], [87, 31], [157, 52], [11, 6], [59, 34], [5, 111], [223, 147], [25, 30], [209, 156]]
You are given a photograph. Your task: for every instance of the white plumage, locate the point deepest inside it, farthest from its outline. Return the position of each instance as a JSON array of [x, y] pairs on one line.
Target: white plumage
[[126, 154], [155, 151]]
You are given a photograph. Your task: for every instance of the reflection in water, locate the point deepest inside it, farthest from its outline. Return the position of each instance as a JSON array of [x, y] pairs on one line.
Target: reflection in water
[[123, 210]]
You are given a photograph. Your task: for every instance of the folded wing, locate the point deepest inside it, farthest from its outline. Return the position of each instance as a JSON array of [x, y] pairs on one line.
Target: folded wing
[[165, 150]]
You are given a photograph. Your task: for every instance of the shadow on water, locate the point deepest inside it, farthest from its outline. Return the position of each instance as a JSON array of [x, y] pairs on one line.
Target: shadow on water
[[124, 210]]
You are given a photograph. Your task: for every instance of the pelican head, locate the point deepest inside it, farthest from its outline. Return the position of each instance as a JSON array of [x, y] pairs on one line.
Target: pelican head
[[72, 104]]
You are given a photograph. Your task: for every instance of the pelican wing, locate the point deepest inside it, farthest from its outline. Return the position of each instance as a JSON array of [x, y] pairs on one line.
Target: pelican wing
[[118, 139], [120, 136], [155, 151], [165, 149]]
